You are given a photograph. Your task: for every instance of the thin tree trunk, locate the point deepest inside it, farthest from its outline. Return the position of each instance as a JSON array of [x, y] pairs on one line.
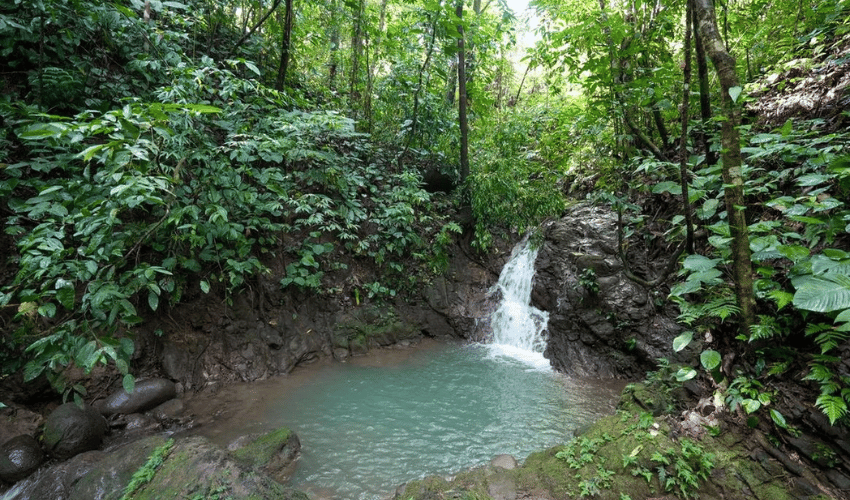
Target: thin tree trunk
[[333, 64], [356, 51], [733, 178], [685, 116], [414, 125], [704, 95], [285, 46], [462, 97]]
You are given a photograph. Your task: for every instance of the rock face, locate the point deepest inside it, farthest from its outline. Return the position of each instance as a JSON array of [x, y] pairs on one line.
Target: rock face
[[146, 395], [192, 467], [19, 457], [601, 324], [268, 331], [70, 430]]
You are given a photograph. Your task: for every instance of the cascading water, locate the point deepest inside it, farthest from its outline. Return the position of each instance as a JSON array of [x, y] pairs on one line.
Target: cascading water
[[518, 327]]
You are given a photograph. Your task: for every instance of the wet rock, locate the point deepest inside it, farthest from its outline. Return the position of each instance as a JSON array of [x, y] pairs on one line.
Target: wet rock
[[601, 324], [70, 430], [274, 453], [507, 462], [146, 395], [138, 422], [170, 410], [192, 467], [19, 457]]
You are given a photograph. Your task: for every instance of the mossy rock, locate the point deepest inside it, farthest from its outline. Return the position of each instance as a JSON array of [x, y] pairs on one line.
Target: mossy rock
[[645, 396], [274, 453], [622, 454]]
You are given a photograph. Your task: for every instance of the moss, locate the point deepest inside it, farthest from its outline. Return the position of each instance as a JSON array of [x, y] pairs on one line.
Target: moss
[[624, 453], [263, 450]]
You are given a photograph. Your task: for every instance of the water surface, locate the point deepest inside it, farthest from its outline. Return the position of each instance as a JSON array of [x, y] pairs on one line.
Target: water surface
[[371, 424]]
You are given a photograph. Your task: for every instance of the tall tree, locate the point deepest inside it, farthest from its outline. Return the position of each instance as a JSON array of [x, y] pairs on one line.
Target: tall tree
[[285, 45], [462, 101], [733, 179]]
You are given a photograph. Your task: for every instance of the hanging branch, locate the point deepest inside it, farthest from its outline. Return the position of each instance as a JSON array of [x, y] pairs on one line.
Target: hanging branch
[[683, 161], [255, 28]]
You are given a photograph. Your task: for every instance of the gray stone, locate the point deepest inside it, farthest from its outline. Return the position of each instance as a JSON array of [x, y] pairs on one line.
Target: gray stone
[[146, 395], [19, 457], [170, 410], [622, 333], [505, 461], [70, 430], [193, 468]]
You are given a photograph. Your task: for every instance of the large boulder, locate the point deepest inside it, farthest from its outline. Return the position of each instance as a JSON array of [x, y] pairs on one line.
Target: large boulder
[[147, 394], [601, 324], [19, 457], [191, 467], [72, 429]]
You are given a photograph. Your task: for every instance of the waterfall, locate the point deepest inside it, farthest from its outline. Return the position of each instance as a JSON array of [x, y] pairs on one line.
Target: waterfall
[[518, 327]]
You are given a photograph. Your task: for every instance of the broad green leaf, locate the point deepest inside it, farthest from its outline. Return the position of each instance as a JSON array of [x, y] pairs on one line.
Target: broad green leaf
[[66, 296], [683, 340], [794, 253], [205, 286], [734, 93], [47, 310], [128, 383], [787, 127], [825, 293], [710, 359], [699, 263], [750, 405], [778, 419], [813, 179], [685, 374], [153, 300]]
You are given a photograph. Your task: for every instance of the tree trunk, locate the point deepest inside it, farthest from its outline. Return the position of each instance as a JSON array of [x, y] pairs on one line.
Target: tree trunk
[[462, 98], [704, 95], [685, 114], [356, 51], [733, 179], [285, 46], [333, 63]]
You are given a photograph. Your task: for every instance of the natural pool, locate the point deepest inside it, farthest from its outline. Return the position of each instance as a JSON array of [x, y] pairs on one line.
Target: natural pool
[[373, 423]]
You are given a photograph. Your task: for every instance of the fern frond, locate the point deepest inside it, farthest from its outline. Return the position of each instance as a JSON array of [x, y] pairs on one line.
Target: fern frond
[[819, 373], [816, 328], [722, 307], [834, 407]]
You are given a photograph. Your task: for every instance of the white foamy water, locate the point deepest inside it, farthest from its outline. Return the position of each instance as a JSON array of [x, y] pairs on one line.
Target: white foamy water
[[519, 329]]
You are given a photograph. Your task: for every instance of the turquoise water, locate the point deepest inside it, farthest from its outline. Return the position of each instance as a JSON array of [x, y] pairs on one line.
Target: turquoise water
[[368, 426]]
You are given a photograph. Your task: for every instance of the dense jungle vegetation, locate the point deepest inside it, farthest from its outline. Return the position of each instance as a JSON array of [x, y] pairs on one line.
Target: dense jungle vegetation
[[155, 150]]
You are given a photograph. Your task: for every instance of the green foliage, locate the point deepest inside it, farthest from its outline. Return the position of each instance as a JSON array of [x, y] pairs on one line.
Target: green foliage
[[146, 472], [508, 186], [140, 202]]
